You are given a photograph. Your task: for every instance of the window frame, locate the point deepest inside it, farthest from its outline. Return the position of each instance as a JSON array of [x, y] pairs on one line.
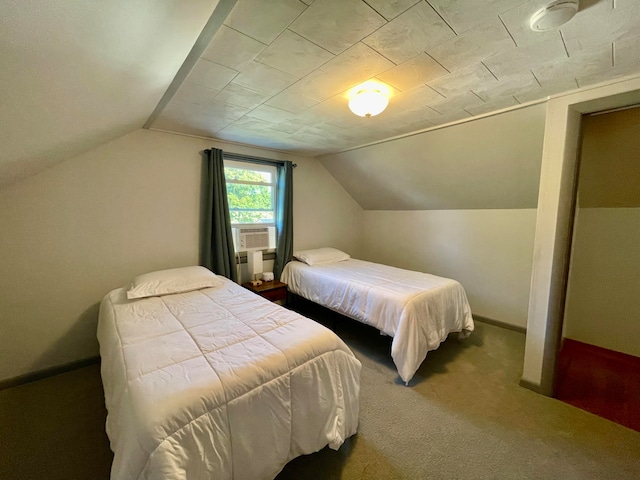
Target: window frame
[[259, 167]]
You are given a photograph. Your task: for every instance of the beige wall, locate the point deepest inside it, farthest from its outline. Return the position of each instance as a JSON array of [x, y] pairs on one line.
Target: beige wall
[[485, 163], [75, 231], [610, 160], [603, 293], [488, 251]]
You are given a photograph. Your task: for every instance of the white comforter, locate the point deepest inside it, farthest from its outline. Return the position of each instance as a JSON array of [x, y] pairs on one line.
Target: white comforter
[[417, 309], [220, 383]]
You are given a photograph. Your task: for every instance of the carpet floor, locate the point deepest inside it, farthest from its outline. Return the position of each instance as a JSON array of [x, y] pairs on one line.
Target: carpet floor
[[463, 416]]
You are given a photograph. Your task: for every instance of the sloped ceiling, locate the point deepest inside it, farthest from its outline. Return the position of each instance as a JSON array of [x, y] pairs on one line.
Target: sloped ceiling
[[488, 163], [77, 73], [275, 73], [278, 72]]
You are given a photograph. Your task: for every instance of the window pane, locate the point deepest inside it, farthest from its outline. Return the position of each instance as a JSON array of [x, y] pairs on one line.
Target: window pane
[[251, 216], [255, 197], [247, 175]]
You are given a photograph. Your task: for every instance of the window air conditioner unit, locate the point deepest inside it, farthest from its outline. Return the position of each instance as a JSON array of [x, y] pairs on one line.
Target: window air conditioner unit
[[253, 239]]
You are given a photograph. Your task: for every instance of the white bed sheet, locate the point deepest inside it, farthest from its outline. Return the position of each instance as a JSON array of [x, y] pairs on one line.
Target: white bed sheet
[[220, 383], [417, 309]]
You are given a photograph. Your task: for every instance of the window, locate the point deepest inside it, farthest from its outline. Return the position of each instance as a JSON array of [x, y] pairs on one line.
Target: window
[[251, 192]]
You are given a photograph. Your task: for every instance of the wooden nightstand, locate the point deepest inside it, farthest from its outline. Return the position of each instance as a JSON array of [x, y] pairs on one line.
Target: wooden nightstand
[[274, 290]]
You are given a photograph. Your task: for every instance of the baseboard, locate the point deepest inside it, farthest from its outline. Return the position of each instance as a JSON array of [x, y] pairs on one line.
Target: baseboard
[[498, 323], [588, 349], [47, 372], [532, 386]]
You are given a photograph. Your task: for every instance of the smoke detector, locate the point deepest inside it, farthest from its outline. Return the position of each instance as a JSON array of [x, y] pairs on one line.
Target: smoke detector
[[553, 15]]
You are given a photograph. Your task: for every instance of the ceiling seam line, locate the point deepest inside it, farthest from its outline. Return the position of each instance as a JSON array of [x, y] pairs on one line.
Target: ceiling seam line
[[536, 78], [485, 66], [564, 44], [483, 100], [442, 18], [432, 88], [403, 11], [314, 43], [432, 58], [244, 35], [613, 54], [508, 32], [372, 8]]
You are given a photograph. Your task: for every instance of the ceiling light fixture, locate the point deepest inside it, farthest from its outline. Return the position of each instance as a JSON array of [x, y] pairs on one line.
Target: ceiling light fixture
[[553, 15], [368, 99]]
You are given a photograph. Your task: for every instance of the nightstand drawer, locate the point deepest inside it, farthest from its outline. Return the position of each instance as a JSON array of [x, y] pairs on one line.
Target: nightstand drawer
[[274, 290], [275, 294]]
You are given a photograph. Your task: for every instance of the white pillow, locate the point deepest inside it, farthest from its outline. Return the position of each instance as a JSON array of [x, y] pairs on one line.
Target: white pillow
[[321, 256], [174, 280]]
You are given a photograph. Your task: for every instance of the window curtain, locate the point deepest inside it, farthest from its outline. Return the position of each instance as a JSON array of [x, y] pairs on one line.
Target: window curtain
[[284, 218], [218, 253]]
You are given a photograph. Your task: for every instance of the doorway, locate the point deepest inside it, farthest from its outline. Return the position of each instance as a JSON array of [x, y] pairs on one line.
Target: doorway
[[554, 221], [598, 367]]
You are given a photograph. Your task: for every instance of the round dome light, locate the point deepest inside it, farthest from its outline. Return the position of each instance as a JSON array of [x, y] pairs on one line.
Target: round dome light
[[553, 15], [368, 102]]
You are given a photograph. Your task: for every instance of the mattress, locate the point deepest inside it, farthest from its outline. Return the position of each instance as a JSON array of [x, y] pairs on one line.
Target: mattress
[[220, 383], [417, 309]]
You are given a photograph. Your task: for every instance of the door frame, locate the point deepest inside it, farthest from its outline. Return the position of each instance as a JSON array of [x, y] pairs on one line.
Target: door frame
[[554, 221]]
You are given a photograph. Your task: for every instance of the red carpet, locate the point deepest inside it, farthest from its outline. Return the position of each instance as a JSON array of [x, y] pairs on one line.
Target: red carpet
[[600, 381]]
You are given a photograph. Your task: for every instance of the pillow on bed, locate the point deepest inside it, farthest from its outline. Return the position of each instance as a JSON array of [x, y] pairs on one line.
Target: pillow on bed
[[174, 280], [321, 256]]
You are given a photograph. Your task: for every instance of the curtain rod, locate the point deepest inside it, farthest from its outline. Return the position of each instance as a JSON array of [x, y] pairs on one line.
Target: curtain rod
[[250, 158]]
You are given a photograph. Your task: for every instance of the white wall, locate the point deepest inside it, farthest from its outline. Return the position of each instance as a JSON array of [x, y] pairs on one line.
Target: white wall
[[603, 294], [488, 251], [484, 163], [458, 202], [324, 213], [73, 232]]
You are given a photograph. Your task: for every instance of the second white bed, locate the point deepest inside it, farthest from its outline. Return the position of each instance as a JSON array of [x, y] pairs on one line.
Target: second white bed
[[417, 309]]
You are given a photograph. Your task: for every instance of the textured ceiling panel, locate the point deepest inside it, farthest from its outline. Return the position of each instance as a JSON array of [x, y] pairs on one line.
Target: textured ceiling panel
[[289, 66], [473, 46], [463, 15], [413, 73], [264, 21], [336, 25], [232, 49], [390, 9], [294, 54], [410, 34], [463, 81]]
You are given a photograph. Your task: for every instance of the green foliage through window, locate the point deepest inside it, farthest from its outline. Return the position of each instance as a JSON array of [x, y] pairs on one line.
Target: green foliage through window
[[251, 196]]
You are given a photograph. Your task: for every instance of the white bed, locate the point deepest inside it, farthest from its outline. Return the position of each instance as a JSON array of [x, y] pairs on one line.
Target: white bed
[[220, 383], [417, 309]]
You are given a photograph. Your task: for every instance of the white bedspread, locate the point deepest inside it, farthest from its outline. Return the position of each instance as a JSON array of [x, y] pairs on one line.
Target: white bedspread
[[220, 383], [417, 309]]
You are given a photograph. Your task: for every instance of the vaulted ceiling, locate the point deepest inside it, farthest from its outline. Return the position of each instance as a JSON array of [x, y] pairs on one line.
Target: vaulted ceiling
[[275, 73]]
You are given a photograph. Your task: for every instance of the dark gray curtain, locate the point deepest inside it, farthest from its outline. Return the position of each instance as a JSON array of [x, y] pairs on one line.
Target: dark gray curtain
[[218, 254], [284, 220]]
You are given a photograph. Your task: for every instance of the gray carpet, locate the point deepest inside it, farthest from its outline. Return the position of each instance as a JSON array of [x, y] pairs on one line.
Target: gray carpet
[[463, 416]]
